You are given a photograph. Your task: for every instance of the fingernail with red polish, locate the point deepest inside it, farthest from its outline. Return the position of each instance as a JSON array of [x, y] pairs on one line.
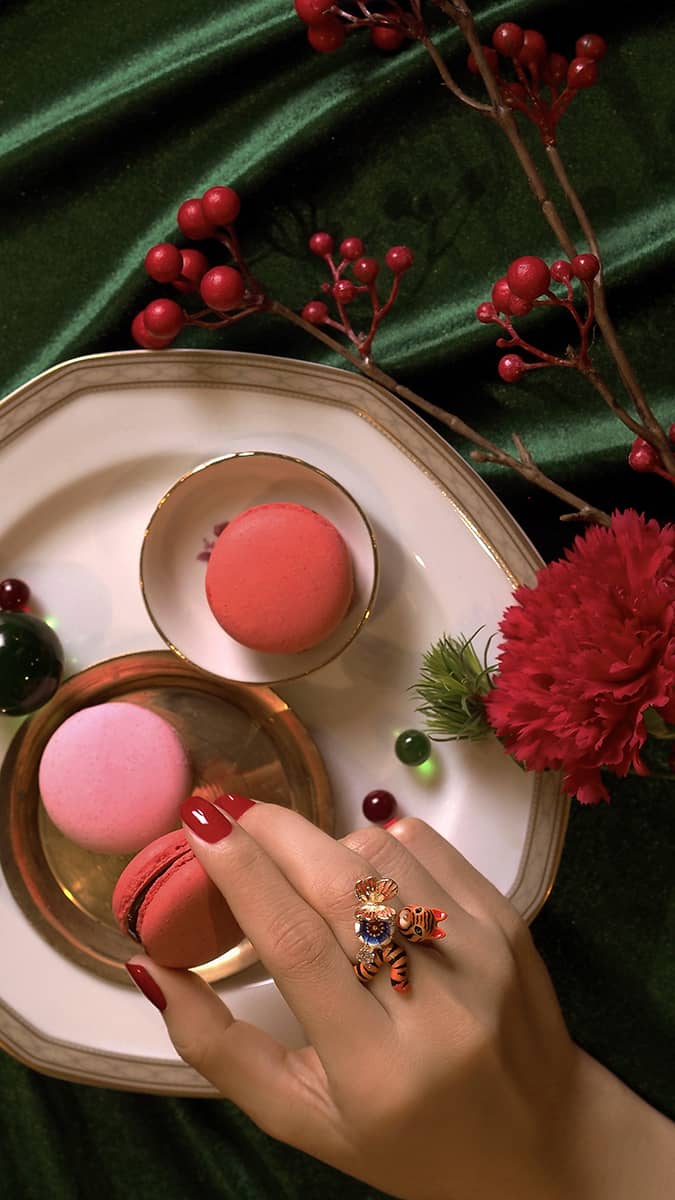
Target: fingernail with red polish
[[235, 805], [146, 984], [204, 819]]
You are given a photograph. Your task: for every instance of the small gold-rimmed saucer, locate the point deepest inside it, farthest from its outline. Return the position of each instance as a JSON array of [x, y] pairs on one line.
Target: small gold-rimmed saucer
[[186, 522], [239, 739]]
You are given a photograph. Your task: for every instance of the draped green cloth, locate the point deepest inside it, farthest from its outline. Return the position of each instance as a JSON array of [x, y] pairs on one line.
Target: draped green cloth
[[114, 113]]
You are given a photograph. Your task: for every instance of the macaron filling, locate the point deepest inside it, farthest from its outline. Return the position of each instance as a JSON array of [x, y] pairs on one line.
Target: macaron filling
[[142, 894]]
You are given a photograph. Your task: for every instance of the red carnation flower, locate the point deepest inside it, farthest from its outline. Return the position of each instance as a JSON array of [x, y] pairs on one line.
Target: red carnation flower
[[587, 651]]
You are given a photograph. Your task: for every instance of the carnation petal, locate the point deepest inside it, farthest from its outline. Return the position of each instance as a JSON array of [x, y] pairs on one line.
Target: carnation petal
[[586, 651]]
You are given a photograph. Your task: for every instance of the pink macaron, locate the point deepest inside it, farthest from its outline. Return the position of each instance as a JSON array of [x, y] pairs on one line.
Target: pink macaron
[[112, 777], [165, 901], [279, 578]]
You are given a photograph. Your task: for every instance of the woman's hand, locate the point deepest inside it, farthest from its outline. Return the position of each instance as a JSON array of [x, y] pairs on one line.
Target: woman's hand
[[466, 1086]]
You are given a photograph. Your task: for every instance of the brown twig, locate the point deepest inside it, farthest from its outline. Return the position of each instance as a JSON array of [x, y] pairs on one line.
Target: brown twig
[[658, 437], [524, 465], [462, 16]]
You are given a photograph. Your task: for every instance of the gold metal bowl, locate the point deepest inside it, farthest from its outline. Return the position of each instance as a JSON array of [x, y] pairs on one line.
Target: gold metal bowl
[[239, 739]]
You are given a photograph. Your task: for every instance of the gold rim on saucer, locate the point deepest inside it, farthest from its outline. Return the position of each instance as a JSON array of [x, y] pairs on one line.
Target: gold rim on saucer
[[365, 605], [239, 738]]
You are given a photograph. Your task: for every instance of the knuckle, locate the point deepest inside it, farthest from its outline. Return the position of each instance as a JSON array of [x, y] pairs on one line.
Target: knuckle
[[516, 931], [410, 831], [337, 903], [302, 945], [245, 863], [380, 850], [367, 843], [195, 1048]]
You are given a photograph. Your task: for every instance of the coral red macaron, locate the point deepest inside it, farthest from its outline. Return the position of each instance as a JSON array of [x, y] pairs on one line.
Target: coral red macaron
[[279, 579], [112, 777], [166, 902]]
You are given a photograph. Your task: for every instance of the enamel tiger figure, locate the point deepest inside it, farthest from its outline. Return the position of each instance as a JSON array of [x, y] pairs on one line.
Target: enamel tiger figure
[[376, 922]]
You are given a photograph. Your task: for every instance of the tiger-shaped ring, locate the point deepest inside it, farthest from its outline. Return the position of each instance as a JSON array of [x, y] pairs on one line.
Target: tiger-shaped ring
[[376, 923]]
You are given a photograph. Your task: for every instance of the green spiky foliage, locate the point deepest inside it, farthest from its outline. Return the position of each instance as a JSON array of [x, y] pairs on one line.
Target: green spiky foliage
[[452, 687]]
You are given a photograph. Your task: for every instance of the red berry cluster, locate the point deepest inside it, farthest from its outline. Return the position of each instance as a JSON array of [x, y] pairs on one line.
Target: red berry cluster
[[222, 288], [527, 284], [344, 290], [545, 82], [644, 457], [328, 23]]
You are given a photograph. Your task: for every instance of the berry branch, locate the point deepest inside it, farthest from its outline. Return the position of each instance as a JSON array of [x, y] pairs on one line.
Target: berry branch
[[231, 293], [545, 85], [543, 88], [344, 291], [518, 292]]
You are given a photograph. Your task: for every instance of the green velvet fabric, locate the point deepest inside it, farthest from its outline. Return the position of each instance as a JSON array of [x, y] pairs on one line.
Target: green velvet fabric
[[114, 113]]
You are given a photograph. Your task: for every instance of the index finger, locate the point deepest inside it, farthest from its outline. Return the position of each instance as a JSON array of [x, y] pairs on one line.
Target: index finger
[[294, 942]]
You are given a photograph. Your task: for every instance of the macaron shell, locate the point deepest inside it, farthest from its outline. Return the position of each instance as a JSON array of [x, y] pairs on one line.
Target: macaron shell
[[279, 578], [112, 777], [149, 861], [184, 920]]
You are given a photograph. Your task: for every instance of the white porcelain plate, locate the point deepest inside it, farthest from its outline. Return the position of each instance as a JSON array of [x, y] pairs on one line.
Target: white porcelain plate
[[86, 450], [182, 530]]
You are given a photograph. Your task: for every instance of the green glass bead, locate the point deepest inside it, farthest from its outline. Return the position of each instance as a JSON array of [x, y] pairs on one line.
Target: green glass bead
[[31, 663], [412, 747]]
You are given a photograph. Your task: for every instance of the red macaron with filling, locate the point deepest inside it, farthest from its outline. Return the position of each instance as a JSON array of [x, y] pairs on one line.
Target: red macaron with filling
[[166, 902]]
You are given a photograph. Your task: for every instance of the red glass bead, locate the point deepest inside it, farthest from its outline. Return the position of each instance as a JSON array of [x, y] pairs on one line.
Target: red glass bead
[[671, 433], [378, 805], [14, 595]]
